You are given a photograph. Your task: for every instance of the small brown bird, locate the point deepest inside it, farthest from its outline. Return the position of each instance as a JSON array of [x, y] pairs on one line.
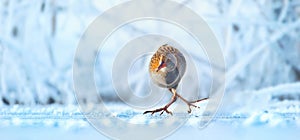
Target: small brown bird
[[167, 67]]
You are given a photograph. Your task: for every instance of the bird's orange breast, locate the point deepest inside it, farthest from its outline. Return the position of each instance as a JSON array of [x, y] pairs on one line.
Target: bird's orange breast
[[154, 63]]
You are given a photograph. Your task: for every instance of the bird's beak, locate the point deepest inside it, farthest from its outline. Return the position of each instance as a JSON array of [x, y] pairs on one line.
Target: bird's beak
[[162, 65]]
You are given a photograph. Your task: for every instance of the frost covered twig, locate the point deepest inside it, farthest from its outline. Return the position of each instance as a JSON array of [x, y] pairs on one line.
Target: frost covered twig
[[234, 71], [283, 88]]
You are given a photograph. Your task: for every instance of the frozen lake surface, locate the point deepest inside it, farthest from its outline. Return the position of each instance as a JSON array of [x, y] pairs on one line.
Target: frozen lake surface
[[69, 123]]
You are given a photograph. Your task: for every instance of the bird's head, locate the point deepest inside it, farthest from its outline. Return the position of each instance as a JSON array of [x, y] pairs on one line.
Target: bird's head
[[162, 64], [158, 63]]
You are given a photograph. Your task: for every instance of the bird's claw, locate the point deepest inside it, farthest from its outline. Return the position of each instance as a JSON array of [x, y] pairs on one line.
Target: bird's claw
[[167, 111], [162, 110], [190, 104]]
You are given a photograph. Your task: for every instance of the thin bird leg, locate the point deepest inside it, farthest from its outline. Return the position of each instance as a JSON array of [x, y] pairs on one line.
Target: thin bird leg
[[165, 108], [189, 103], [199, 100]]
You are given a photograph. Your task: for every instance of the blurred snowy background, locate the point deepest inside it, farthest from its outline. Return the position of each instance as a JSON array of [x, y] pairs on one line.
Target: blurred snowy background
[[260, 41]]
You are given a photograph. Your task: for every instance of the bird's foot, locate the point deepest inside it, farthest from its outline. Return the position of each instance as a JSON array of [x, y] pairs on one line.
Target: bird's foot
[[162, 110], [191, 104]]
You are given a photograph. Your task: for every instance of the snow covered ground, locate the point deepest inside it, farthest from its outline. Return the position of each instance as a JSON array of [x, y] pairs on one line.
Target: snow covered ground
[[214, 131], [69, 123]]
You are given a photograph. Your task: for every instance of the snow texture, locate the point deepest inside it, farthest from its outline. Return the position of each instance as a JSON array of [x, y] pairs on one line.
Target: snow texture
[[69, 123]]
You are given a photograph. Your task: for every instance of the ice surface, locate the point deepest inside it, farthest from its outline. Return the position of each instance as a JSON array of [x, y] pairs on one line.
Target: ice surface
[[70, 123]]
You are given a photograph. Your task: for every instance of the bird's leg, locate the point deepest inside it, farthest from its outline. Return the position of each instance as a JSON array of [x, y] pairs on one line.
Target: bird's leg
[[199, 100], [189, 103], [165, 108]]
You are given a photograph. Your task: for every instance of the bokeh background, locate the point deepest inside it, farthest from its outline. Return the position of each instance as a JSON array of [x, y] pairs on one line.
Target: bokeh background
[[260, 40]]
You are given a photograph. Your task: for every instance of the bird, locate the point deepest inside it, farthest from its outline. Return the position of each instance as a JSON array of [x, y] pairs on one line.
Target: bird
[[167, 67]]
